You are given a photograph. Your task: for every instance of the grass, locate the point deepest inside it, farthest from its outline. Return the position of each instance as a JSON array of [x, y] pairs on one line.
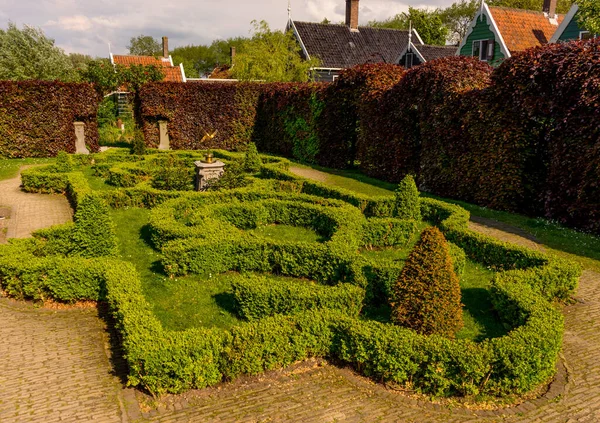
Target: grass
[[96, 183], [287, 233], [578, 246], [179, 303], [9, 168]]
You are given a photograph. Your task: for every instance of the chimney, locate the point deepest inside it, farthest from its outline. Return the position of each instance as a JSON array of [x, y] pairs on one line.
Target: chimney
[[165, 47], [352, 14], [550, 8], [232, 54]]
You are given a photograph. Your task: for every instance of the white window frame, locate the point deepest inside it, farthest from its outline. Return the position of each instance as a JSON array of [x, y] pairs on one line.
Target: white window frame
[[582, 33], [485, 49]]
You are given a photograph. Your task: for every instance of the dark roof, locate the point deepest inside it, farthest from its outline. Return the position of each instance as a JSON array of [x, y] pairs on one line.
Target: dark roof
[[436, 52], [339, 47]]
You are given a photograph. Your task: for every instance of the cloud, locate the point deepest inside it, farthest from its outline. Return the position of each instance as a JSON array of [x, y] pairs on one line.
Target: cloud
[[72, 23]]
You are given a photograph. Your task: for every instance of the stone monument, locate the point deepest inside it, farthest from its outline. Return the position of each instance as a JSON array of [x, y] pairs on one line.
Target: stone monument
[[163, 135], [207, 170], [80, 147]]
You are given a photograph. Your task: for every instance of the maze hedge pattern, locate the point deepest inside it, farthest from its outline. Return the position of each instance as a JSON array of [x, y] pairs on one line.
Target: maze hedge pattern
[[36, 117]]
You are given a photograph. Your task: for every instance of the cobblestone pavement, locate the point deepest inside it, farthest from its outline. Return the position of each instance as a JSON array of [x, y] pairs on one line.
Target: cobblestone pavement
[[29, 212], [54, 367]]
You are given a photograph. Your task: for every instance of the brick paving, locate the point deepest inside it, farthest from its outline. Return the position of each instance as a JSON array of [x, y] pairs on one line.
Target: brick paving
[[54, 367], [29, 212]]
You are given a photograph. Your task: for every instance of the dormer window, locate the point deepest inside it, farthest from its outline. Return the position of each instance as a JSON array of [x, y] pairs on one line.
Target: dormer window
[[409, 60], [484, 49], [586, 35]]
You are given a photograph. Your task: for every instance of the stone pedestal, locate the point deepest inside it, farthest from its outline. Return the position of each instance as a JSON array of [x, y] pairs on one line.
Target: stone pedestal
[[80, 147], [207, 171], [163, 129]]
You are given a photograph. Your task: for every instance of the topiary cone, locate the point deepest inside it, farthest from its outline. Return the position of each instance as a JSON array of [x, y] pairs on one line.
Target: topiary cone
[[427, 293], [408, 203]]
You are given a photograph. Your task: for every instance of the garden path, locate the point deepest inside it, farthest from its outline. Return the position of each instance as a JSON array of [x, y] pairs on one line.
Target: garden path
[[29, 212]]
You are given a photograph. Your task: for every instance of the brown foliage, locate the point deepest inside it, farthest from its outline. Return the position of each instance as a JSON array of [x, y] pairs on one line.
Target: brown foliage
[[427, 293]]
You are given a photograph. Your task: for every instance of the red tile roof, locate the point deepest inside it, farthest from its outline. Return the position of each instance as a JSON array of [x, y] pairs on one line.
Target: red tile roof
[[172, 73], [523, 29]]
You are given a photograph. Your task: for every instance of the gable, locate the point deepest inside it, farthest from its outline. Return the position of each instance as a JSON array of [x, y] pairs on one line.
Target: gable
[[481, 29]]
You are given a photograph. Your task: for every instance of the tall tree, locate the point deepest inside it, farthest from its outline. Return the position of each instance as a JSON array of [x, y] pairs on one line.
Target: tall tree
[[428, 24], [28, 54], [563, 6], [589, 15], [271, 56], [458, 17], [144, 45], [108, 78], [200, 60]]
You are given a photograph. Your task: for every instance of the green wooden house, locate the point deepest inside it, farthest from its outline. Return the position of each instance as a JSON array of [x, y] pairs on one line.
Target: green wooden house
[[496, 33], [570, 29]]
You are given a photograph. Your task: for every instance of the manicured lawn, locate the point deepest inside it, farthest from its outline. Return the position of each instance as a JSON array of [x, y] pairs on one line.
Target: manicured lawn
[[287, 233], [96, 183], [9, 168], [179, 303]]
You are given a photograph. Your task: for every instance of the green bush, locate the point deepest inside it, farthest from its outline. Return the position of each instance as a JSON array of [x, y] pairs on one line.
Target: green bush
[[172, 174], [427, 295], [257, 296], [233, 177], [138, 146], [252, 161], [64, 163], [407, 200], [386, 232]]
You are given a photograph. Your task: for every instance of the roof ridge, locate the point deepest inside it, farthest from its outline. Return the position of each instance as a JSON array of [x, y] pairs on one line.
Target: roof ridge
[[346, 26]]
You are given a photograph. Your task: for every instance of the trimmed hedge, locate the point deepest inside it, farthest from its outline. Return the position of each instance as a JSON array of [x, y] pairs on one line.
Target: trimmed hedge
[[169, 361], [257, 296], [36, 117]]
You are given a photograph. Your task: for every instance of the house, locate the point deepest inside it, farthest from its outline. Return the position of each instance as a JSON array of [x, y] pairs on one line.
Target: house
[[343, 46], [570, 29], [415, 55], [172, 73], [496, 33], [165, 63]]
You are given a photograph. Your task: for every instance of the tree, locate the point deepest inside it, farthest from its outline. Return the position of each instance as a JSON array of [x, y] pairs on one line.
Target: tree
[[428, 24], [144, 45], [271, 56], [457, 18], [563, 6], [427, 293], [108, 78], [589, 15], [200, 60], [28, 54], [80, 61]]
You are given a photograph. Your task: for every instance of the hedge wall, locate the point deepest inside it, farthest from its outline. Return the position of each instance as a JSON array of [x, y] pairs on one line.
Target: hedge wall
[[36, 117], [193, 108]]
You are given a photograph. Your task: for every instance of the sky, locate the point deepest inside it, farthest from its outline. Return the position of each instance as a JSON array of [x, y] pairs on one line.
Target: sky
[[88, 26]]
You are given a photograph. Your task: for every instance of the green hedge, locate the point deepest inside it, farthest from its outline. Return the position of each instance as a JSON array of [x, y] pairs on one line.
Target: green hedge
[[168, 361], [258, 296]]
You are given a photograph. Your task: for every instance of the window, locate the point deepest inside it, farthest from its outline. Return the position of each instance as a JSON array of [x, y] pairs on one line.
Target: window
[[409, 60], [484, 49], [586, 35]]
